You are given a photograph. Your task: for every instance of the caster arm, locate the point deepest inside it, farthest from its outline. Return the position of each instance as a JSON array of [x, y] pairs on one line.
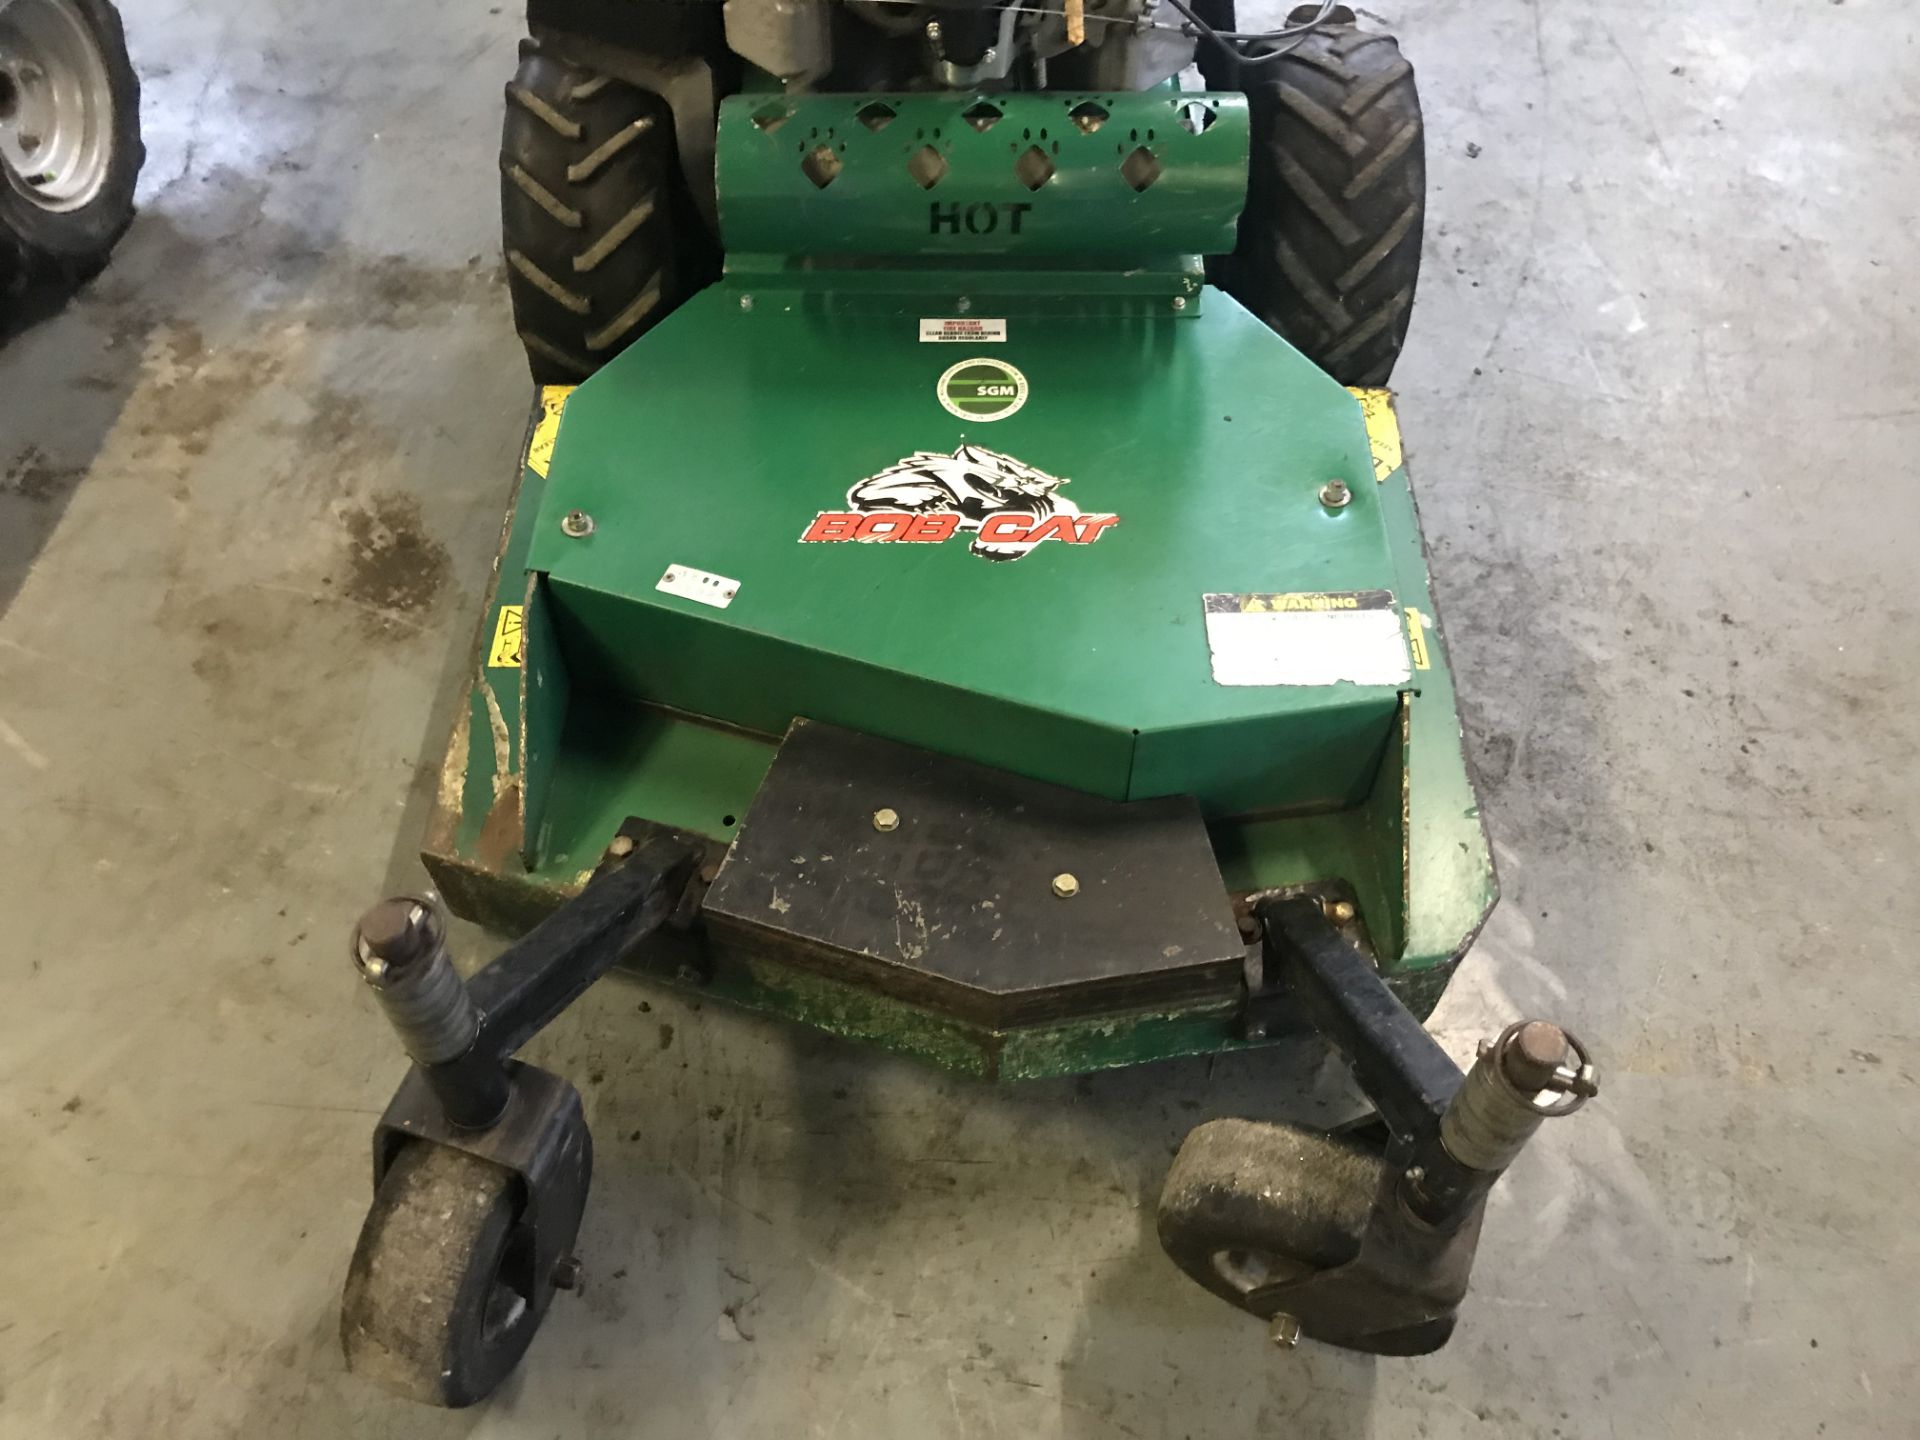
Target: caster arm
[[1364, 1239], [462, 1033], [444, 1294]]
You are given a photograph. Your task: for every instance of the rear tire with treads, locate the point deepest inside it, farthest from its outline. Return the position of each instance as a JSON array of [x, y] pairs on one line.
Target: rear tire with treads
[[1329, 245], [599, 239]]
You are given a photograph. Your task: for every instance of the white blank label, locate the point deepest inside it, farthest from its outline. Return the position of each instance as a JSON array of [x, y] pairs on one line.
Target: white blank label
[[691, 584]]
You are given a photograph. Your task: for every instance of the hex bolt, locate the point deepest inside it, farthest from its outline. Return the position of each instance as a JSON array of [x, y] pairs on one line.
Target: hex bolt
[[1065, 885], [1179, 302], [1250, 928], [885, 820], [962, 305], [1284, 1331], [577, 524], [1335, 495], [1340, 911], [565, 1274], [621, 847], [746, 302]]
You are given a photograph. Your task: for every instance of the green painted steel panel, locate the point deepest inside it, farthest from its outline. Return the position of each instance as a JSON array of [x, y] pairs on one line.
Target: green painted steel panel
[[621, 761], [717, 443], [1414, 849], [1042, 288], [963, 176]]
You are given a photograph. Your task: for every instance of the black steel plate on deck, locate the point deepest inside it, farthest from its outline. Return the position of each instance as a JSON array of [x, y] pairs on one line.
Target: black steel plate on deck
[[955, 907]]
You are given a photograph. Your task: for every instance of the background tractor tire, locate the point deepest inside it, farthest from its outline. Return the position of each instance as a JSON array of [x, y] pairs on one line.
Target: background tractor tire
[[70, 148], [1329, 245], [601, 239]]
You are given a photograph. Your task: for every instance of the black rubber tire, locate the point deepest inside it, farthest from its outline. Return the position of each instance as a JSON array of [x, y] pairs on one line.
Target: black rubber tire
[[601, 241], [428, 1310], [69, 247], [1282, 1199], [1329, 245], [1250, 1205]]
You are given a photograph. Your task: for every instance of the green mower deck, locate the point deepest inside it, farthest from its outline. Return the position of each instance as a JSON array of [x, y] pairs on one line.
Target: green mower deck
[[1013, 510], [600, 694]]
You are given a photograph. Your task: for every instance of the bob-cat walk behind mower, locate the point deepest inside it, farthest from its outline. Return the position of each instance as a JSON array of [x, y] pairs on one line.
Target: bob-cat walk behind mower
[[953, 597]]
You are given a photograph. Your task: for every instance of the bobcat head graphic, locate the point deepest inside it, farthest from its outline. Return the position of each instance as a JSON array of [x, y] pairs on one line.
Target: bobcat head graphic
[[974, 483]]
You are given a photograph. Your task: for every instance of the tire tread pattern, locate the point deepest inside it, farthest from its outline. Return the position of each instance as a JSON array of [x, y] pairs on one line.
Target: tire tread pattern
[[1329, 247], [595, 233]]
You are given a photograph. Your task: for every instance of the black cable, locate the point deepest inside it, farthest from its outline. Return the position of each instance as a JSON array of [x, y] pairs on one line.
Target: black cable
[[1296, 33]]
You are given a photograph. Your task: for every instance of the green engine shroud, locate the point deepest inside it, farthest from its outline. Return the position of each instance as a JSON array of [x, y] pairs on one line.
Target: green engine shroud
[[1159, 173]]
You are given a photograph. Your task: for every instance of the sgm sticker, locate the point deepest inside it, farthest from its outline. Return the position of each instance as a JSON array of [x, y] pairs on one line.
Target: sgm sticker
[[982, 389], [1306, 638], [1007, 505], [504, 652], [961, 328]]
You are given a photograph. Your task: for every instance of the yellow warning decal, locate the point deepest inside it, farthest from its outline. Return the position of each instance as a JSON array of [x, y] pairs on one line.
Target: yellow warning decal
[[1383, 430], [1417, 639], [504, 653], [553, 399]]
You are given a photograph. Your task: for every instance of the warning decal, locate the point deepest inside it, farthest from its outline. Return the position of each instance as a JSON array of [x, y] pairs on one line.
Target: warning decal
[[1383, 430], [1417, 639], [1306, 638], [553, 399], [504, 652], [959, 328]]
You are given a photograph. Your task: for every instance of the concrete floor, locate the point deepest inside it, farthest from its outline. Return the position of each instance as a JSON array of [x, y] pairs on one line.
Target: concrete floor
[[1661, 397]]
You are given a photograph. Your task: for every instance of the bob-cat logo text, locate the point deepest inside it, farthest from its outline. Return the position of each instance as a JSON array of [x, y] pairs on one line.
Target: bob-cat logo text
[[1006, 505]]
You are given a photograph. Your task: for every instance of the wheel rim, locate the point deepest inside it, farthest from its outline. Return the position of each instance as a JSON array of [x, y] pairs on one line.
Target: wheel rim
[[56, 104]]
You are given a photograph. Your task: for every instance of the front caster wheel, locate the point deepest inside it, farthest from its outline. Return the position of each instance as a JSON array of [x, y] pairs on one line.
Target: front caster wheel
[[439, 1302], [1249, 1207]]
